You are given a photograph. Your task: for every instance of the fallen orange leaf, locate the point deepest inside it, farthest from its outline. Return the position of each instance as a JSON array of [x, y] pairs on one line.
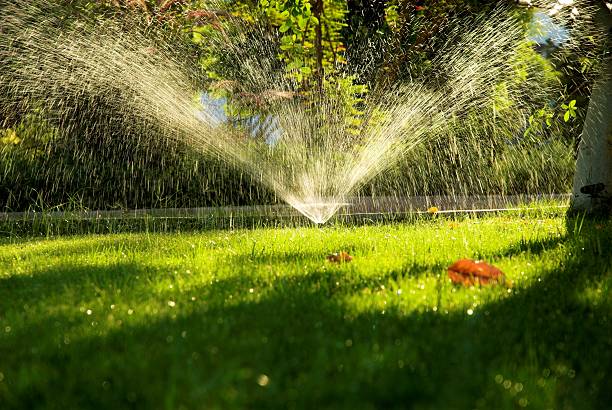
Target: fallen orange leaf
[[469, 272], [339, 257], [432, 210]]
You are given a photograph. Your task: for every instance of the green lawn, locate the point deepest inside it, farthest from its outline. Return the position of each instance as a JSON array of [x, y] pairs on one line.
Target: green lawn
[[259, 318]]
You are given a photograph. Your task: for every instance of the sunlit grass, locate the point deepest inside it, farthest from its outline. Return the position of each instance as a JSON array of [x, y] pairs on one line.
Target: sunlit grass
[[259, 318]]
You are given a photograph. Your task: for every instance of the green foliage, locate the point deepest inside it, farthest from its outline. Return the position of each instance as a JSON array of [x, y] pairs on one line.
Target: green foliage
[[540, 121], [409, 35], [113, 168], [570, 110], [490, 165], [298, 25], [10, 138], [501, 100], [29, 137], [295, 22], [347, 97]]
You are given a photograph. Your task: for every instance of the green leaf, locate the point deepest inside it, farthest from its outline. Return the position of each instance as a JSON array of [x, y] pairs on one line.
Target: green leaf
[[572, 103], [566, 116], [286, 26], [296, 64], [197, 37], [306, 70], [302, 23]]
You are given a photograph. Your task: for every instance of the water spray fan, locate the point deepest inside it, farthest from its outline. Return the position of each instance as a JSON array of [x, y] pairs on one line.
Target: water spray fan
[[300, 143]]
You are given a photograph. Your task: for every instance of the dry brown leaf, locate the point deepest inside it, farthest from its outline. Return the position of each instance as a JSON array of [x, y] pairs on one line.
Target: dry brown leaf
[[468, 272], [339, 257]]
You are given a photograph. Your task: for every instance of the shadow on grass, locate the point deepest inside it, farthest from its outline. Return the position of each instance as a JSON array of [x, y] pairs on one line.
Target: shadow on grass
[[298, 344], [533, 246]]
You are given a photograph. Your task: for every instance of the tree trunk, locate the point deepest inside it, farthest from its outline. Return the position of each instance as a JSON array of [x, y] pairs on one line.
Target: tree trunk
[[318, 13], [592, 191]]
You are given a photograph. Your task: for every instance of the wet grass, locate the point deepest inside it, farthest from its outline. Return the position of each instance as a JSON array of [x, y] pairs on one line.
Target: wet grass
[[259, 318]]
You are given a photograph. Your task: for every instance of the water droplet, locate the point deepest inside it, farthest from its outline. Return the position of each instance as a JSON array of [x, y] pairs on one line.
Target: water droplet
[[499, 379], [171, 303], [263, 380], [130, 311], [251, 290], [470, 312], [112, 306], [399, 292], [7, 329], [89, 312]]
